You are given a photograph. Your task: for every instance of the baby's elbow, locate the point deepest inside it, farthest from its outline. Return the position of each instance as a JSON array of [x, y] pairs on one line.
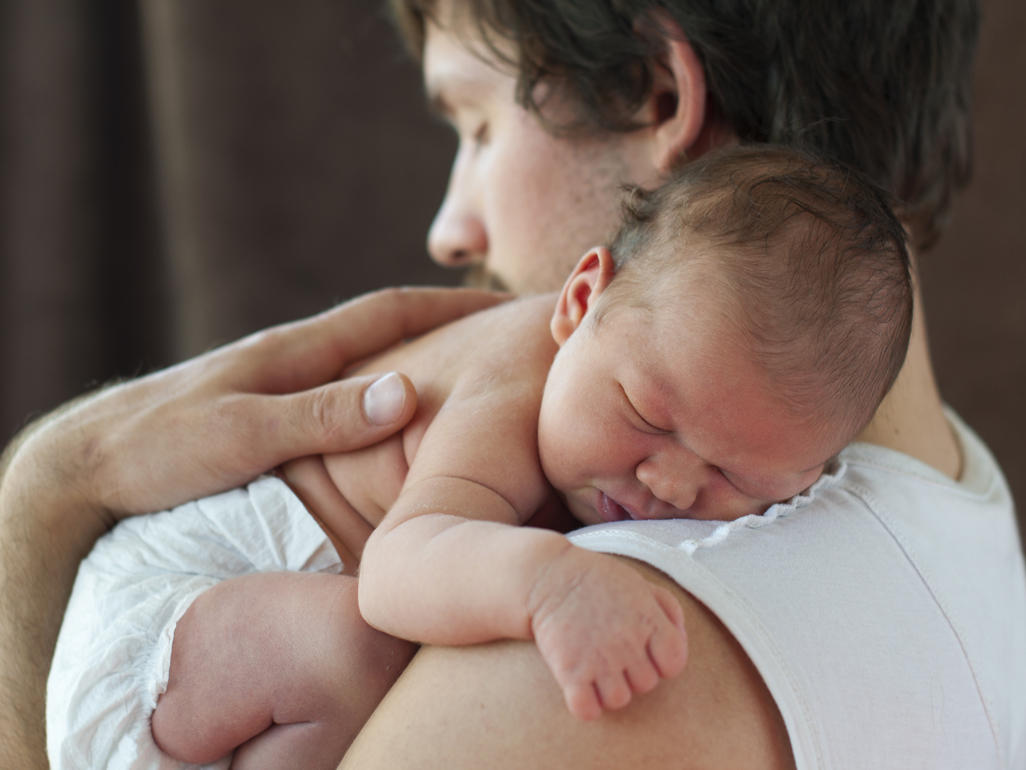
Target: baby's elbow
[[371, 584], [365, 599]]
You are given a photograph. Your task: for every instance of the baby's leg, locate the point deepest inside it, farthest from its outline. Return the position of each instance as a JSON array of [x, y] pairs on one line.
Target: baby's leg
[[280, 665]]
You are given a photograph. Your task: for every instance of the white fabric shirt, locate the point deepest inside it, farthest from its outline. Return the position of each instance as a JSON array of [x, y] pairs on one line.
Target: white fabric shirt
[[885, 609]]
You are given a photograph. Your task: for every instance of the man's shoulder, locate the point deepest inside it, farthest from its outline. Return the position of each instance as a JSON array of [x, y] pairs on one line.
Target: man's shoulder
[[443, 713]]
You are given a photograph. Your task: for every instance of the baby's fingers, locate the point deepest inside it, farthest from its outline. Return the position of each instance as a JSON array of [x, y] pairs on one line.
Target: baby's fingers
[[670, 606], [642, 675], [668, 650], [582, 700], [613, 690], [668, 647], [588, 701]]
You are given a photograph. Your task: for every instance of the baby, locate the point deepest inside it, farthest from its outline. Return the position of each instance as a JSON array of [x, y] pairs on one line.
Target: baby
[[739, 332]]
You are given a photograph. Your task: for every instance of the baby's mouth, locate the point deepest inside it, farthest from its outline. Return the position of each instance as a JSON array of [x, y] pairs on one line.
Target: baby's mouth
[[610, 510]]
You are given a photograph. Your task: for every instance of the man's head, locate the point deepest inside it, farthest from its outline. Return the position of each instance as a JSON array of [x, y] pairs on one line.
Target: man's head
[[881, 85], [742, 329]]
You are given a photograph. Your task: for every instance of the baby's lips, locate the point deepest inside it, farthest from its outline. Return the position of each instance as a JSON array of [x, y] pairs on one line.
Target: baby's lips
[[610, 510]]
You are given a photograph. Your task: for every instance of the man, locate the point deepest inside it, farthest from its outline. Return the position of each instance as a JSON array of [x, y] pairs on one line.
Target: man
[[885, 89]]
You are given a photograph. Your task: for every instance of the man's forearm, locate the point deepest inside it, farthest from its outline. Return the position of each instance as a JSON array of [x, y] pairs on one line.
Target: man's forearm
[[197, 428], [44, 532]]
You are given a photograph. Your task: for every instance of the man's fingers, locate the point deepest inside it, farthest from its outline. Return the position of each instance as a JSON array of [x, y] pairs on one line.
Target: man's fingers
[[342, 416], [320, 348], [384, 401]]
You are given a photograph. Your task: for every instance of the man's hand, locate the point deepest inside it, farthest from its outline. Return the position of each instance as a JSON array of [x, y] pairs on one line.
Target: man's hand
[[197, 428], [218, 420], [605, 632]]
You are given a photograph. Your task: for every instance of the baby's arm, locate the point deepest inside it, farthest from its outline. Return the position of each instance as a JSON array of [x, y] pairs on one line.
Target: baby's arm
[[451, 565]]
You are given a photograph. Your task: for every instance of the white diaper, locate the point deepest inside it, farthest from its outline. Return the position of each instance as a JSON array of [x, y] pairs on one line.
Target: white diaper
[[114, 648]]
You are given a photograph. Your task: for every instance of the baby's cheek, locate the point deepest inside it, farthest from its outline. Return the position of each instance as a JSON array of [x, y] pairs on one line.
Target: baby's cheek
[[582, 510], [730, 503], [556, 454]]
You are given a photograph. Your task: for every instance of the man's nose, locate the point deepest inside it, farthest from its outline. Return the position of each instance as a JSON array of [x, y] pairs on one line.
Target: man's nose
[[457, 237], [674, 476]]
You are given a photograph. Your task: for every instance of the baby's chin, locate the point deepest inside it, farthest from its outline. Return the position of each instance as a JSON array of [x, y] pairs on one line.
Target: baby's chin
[[580, 509]]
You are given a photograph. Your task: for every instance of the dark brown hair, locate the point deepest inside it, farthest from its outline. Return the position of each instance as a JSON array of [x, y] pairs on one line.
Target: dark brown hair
[[880, 85], [813, 261]]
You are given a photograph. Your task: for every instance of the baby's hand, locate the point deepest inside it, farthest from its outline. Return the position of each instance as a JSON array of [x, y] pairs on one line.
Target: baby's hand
[[605, 632]]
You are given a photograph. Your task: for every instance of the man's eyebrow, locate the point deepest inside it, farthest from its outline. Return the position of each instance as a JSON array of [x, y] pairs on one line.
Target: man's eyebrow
[[447, 89], [438, 104]]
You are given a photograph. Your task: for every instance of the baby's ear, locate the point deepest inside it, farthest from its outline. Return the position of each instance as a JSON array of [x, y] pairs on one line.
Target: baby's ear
[[588, 280]]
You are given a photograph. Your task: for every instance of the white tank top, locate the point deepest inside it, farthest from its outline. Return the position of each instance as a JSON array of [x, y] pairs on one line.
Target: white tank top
[[885, 608]]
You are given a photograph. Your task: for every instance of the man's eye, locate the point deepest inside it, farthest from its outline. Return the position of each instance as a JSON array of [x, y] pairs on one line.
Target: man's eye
[[481, 134]]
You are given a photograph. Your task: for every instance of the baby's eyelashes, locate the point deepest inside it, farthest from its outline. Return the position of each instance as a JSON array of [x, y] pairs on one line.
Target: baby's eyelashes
[[638, 419]]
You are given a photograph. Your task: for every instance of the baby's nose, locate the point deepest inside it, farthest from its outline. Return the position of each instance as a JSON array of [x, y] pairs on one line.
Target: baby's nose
[[671, 483]]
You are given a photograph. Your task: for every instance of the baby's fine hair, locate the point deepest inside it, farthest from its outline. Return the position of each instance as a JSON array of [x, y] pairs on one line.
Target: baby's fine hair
[[814, 262]]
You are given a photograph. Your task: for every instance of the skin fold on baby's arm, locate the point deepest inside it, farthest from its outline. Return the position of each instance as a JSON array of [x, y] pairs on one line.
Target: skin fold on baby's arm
[[451, 564]]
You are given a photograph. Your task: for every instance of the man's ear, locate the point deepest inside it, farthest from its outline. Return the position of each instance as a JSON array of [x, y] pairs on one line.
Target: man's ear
[[676, 107], [588, 280]]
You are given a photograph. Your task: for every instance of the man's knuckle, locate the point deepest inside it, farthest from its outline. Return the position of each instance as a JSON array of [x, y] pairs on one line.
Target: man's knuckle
[[231, 414], [326, 416], [265, 340], [320, 413], [391, 297]]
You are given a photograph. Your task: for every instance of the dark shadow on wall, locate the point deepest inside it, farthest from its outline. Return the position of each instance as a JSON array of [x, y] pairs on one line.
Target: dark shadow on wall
[[975, 279], [177, 173]]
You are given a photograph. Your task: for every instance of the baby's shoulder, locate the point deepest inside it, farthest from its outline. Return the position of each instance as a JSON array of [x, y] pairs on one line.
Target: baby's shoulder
[[515, 334], [484, 356], [510, 344]]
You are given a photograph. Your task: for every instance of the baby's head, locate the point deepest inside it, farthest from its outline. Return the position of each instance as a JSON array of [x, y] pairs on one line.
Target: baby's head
[[804, 262], [741, 329]]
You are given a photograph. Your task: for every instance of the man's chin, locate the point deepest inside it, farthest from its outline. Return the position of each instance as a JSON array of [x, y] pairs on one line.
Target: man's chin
[[479, 277]]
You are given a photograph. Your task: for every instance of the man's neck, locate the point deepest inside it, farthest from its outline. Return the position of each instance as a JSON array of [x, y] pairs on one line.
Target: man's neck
[[911, 418]]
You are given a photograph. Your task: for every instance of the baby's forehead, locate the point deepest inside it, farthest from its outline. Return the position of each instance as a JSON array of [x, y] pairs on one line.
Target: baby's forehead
[[688, 291]]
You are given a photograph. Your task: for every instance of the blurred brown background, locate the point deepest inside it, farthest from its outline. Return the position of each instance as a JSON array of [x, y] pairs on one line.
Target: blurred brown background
[[176, 173]]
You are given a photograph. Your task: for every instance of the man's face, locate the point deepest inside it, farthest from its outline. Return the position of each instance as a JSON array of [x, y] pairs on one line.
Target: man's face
[[654, 413], [521, 205]]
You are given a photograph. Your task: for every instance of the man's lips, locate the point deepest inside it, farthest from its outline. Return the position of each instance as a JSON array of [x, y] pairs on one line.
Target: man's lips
[[610, 510]]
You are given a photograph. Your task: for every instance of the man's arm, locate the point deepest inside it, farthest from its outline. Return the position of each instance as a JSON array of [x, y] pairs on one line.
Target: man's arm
[[496, 706], [200, 427]]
